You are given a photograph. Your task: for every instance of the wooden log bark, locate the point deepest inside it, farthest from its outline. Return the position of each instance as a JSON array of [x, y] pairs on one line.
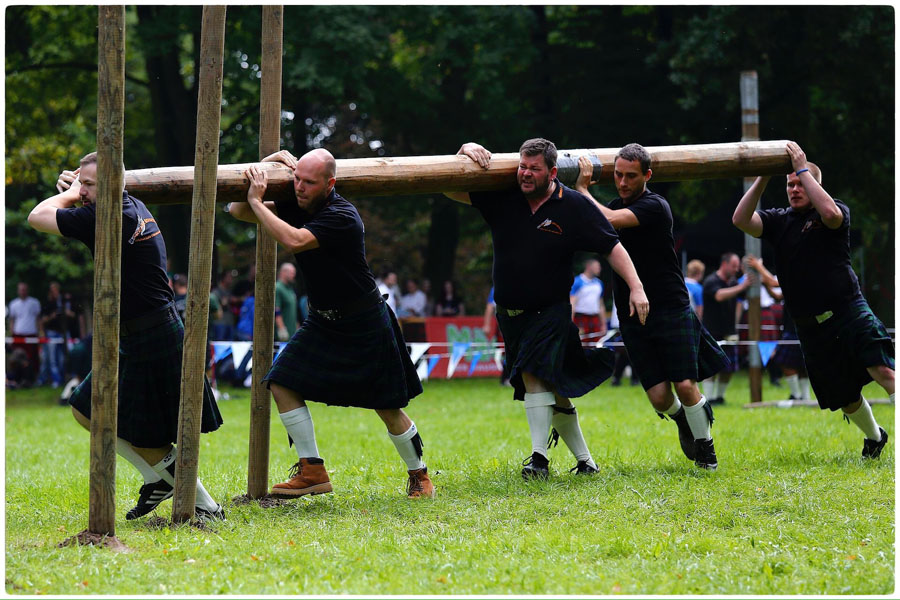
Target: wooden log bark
[[203, 209], [107, 269], [387, 176], [266, 254]]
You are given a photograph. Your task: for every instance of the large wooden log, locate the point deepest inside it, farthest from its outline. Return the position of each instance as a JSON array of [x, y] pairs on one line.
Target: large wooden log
[[390, 176]]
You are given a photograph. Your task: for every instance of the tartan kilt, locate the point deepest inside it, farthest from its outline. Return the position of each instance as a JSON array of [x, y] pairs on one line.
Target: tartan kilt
[[838, 351], [546, 344], [789, 355], [672, 346], [359, 361], [150, 388]]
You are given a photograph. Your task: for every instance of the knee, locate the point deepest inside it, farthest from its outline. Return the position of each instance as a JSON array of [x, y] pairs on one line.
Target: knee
[[81, 419], [660, 396], [286, 399]]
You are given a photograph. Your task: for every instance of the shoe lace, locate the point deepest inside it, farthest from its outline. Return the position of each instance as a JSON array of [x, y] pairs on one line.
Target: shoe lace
[[579, 467], [553, 440], [295, 470], [414, 484]]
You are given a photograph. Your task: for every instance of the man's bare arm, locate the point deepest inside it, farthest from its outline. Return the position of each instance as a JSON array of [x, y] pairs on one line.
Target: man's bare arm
[[619, 219], [479, 154]]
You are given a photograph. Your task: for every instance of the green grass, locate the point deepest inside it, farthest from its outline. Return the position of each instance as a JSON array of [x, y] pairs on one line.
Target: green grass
[[792, 509]]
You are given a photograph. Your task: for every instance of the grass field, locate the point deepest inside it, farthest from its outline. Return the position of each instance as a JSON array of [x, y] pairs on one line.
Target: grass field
[[792, 509]]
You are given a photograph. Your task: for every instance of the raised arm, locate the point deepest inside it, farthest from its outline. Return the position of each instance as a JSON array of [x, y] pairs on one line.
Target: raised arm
[[479, 154], [621, 263], [294, 239], [832, 217], [43, 216], [745, 217], [619, 219]]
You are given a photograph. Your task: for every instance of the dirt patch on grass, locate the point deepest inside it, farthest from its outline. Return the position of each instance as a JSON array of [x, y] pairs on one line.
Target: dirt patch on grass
[[266, 501], [89, 538]]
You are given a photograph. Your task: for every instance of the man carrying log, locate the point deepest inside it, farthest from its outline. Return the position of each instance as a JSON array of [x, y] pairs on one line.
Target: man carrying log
[[350, 351], [536, 229], [845, 346], [150, 343], [672, 349]]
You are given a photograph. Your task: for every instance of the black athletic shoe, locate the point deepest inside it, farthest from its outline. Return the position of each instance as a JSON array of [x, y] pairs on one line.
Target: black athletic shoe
[[871, 448], [537, 466], [201, 514], [719, 400], [151, 494], [706, 455], [685, 437], [584, 468]]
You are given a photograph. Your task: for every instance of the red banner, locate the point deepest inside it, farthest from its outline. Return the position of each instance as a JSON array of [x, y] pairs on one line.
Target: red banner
[[466, 344]]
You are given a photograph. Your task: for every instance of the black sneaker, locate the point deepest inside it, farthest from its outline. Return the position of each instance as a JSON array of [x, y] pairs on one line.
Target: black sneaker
[[685, 437], [537, 466], [718, 400], [151, 494], [871, 448], [204, 515], [706, 455], [584, 468]]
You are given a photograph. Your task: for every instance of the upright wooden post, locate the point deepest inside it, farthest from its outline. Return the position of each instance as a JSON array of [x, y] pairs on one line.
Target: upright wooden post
[[206, 159], [107, 268], [750, 133], [264, 315]]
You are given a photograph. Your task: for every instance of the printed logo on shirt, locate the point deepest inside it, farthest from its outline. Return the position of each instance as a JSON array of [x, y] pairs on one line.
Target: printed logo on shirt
[[550, 227], [811, 224], [138, 235]]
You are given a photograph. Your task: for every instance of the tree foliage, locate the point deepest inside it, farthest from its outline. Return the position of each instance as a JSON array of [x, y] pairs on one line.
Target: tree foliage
[[409, 80]]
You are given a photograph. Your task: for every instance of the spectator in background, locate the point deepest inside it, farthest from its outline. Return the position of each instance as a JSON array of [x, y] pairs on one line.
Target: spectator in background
[[223, 326], [448, 303], [492, 333], [286, 302], [412, 303], [24, 315], [387, 285], [53, 323], [244, 328], [586, 298], [720, 292], [693, 281], [179, 286], [429, 300]]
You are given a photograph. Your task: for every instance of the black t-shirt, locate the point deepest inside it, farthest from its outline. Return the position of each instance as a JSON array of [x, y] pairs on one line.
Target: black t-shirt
[[718, 317], [336, 272], [812, 261], [145, 285], [651, 246], [533, 252], [55, 310]]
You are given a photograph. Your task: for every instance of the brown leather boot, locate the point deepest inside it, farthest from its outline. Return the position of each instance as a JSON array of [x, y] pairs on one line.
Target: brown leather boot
[[307, 476], [419, 484]]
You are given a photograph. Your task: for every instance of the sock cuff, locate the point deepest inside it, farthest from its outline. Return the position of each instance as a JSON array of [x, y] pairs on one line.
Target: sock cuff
[[167, 460], [697, 407], [676, 406], [539, 399], [293, 417], [406, 435]]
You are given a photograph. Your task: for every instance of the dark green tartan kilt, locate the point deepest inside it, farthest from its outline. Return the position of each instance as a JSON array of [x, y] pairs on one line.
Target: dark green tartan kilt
[[150, 388], [359, 361], [789, 355], [546, 344], [672, 346], [838, 352]]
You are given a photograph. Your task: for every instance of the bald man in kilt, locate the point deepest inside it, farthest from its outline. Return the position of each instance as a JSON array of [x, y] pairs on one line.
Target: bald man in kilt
[[349, 351], [150, 343], [673, 349], [536, 228]]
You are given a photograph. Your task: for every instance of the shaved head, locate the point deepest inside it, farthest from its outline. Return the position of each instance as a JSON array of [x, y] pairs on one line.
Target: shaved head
[[324, 158], [314, 179]]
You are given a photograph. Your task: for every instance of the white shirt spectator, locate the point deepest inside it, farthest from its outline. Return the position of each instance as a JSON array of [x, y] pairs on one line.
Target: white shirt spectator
[[413, 305], [587, 294], [24, 315], [391, 298]]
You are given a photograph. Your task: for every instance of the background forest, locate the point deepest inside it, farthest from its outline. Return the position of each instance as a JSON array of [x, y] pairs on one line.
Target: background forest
[[417, 80]]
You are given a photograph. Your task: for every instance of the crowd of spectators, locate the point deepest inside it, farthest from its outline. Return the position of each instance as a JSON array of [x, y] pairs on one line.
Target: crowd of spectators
[[416, 299]]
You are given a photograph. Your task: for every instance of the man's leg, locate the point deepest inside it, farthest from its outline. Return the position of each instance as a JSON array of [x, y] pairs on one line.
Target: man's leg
[[565, 424], [408, 442], [698, 414], [884, 376], [308, 475], [860, 413], [539, 402], [669, 405]]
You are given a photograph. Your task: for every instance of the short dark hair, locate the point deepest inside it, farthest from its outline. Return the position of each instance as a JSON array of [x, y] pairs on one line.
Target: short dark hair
[[545, 148], [727, 257], [91, 159], [635, 152]]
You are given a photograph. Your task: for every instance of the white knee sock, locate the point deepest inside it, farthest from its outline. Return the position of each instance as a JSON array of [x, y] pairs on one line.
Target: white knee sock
[[865, 420], [721, 387], [299, 425], [539, 411], [126, 451], [804, 388], [698, 420], [676, 406], [793, 382], [570, 431], [407, 448], [710, 387], [202, 499]]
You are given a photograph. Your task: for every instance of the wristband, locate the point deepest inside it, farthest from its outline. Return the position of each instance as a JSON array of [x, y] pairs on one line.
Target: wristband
[[801, 171]]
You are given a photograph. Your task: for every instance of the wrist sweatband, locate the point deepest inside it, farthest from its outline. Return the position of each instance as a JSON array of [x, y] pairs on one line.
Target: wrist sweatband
[[801, 171]]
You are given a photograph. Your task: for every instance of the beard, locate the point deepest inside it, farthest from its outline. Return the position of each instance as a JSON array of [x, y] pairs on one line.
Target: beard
[[539, 190]]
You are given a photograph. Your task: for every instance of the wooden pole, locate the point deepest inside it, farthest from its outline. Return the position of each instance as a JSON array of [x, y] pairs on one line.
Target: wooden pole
[[107, 268], [752, 245], [264, 308], [203, 209], [450, 173]]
